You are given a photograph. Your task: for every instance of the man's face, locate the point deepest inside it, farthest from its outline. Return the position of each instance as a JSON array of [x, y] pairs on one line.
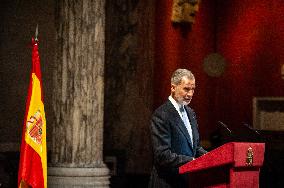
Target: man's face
[[183, 92]]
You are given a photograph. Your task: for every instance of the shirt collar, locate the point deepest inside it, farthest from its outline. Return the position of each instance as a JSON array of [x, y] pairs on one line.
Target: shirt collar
[[176, 105]]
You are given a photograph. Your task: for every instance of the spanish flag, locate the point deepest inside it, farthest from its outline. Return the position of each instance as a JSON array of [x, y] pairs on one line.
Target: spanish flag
[[33, 166]]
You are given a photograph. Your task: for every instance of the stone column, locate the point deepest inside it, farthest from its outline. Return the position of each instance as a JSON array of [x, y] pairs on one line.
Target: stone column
[[78, 96]]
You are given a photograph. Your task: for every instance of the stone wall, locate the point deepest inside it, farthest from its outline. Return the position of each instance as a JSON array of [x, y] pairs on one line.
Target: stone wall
[[18, 24]]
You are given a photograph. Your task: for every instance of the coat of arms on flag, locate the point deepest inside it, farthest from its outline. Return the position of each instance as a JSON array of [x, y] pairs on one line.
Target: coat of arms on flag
[[34, 127]]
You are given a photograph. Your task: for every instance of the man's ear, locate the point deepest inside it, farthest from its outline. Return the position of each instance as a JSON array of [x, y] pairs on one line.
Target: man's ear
[[173, 88]]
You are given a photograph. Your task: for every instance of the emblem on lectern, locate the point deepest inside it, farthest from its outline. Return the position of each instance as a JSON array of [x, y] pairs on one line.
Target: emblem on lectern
[[249, 159]]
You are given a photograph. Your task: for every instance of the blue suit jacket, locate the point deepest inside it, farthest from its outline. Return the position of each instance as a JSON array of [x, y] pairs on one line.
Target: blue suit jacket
[[172, 146]]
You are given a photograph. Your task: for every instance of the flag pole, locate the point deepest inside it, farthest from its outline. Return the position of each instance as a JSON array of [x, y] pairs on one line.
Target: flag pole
[[36, 33]]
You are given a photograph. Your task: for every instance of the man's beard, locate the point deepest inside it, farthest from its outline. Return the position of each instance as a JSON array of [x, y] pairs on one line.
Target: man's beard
[[182, 101], [185, 103]]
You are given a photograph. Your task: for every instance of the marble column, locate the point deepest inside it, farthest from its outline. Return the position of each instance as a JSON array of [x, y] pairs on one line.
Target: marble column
[[78, 96]]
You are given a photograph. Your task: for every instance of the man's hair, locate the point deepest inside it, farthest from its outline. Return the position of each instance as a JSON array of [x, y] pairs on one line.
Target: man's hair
[[179, 74]]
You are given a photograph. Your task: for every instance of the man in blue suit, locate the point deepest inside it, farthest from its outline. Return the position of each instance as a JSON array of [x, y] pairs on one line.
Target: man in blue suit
[[174, 133]]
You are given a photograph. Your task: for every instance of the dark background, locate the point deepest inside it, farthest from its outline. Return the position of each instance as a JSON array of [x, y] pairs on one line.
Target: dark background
[[143, 47]]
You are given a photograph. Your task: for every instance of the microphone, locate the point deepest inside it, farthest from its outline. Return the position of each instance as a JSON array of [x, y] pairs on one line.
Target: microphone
[[258, 136], [225, 126], [252, 129]]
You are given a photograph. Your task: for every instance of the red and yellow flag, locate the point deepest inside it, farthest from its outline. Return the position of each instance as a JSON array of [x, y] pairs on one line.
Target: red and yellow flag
[[33, 165]]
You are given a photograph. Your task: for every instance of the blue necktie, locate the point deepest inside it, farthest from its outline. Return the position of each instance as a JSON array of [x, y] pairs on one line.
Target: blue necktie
[[186, 122]]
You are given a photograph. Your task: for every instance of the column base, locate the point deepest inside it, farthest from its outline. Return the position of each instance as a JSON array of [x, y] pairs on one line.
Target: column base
[[63, 177]]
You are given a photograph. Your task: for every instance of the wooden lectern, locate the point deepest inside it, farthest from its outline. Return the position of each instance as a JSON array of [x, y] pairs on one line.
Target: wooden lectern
[[233, 165]]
